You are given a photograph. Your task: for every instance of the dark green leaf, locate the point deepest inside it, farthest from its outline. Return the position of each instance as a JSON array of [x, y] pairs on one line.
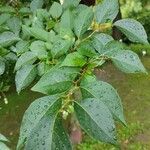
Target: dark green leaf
[[106, 93], [41, 126], [133, 30], [25, 76], [24, 59], [74, 60], [83, 21], [96, 120], [56, 81], [86, 49], [107, 11], [128, 62]]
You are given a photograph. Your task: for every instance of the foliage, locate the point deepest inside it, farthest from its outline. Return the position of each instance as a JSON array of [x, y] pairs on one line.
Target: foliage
[[139, 10], [63, 47], [2, 140]]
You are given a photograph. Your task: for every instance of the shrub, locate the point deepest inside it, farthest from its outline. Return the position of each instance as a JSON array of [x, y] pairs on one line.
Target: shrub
[[63, 45]]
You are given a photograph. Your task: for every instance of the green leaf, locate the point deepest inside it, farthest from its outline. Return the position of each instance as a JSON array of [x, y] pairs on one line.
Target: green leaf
[[3, 146], [55, 136], [36, 4], [60, 47], [55, 10], [2, 66], [112, 48], [3, 138], [42, 126], [74, 60], [38, 33], [25, 76], [67, 19], [56, 81], [4, 17], [8, 38], [133, 30], [43, 68], [96, 120], [39, 49], [70, 3], [14, 24], [83, 21], [24, 11], [99, 41], [87, 49], [128, 62], [107, 94], [24, 59], [22, 46], [106, 11], [7, 9]]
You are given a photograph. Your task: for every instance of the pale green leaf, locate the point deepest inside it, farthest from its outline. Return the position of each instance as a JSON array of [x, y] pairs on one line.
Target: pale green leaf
[[60, 47], [55, 10], [8, 38], [24, 11], [3, 146], [14, 24], [3, 138], [133, 30], [22, 46], [36, 4], [106, 11], [70, 3], [43, 68], [99, 41], [25, 76], [83, 21], [128, 62], [7, 9], [39, 49], [38, 33], [4, 17], [96, 120], [67, 19], [24, 59]]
